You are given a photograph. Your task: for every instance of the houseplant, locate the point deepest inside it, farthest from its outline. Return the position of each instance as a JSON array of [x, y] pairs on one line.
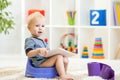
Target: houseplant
[[6, 18]]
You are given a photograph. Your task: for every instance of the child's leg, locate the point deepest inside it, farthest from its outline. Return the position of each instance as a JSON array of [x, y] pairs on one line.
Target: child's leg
[[65, 63], [58, 61]]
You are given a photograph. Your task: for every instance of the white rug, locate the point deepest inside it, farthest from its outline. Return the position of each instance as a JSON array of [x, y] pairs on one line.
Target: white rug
[[78, 71], [17, 73]]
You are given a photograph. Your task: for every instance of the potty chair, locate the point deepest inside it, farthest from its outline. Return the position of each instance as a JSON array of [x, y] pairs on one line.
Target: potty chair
[[100, 69], [34, 72]]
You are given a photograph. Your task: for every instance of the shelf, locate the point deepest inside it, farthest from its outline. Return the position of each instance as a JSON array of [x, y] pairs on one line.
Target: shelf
[[57, 24], [114, 42]]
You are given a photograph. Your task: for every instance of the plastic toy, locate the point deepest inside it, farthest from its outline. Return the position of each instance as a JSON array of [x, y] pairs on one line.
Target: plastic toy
[[85, 52], [72, 46], [34, 72], [98, 52]]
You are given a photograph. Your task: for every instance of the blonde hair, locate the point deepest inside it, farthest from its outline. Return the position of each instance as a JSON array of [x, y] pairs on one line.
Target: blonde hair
[[34, 15]]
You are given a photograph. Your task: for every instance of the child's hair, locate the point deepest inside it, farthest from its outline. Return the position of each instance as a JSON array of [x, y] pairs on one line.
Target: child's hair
[[34, 15]]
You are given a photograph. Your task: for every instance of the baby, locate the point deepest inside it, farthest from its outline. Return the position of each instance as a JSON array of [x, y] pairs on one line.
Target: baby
[[36, 49]]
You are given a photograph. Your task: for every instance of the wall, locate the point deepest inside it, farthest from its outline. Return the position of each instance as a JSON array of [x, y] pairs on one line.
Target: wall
[[38, 4], [11, 44]]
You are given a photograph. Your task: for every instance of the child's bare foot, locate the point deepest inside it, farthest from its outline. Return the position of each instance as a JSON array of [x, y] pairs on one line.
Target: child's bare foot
[[65, 78]]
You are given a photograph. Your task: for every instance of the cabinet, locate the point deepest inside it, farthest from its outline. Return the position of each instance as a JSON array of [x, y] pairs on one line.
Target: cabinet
[[57, 23]]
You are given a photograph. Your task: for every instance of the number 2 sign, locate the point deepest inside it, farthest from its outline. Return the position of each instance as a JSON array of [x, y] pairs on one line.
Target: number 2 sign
[[98, 17]]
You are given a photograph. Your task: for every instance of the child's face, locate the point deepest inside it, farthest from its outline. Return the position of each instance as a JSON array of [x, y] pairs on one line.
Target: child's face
[[37, 27]]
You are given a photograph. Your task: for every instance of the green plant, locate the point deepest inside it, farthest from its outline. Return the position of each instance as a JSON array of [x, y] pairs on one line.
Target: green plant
[[6, 18]]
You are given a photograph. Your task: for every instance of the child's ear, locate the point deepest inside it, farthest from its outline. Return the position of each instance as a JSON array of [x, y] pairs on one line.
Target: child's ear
[[28, 27]]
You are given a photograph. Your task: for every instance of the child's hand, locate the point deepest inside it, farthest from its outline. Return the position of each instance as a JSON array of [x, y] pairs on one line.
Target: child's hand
[[43, 51]]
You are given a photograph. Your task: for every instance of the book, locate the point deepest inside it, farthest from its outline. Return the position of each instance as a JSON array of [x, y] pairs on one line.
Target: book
[[61, 52], [116, 12]]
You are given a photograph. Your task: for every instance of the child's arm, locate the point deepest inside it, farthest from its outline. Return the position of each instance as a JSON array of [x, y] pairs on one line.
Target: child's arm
[[42, 51]]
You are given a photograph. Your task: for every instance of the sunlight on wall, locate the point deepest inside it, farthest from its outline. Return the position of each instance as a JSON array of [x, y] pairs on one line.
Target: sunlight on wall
[[11, 43]]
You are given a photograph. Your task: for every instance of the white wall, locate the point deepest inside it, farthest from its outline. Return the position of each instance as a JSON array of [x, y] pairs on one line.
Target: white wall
[[11, 44], [59, 8], [38, 4]]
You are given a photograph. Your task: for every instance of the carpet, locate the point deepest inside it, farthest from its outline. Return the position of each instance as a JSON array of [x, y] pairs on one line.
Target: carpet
[[78, 71], [17, 73]]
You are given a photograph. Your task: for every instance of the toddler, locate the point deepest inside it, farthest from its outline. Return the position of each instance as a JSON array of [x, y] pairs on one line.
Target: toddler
[[36, 49]]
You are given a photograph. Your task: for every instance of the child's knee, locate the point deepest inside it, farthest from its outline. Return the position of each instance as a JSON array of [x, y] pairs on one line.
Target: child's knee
[[59, 56], [66, 61]]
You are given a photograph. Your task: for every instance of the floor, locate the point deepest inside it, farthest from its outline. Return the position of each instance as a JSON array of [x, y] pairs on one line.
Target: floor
[[12, 60], [77, 67]]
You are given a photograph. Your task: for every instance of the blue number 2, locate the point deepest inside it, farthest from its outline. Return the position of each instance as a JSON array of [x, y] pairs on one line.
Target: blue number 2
[[96, 16]]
